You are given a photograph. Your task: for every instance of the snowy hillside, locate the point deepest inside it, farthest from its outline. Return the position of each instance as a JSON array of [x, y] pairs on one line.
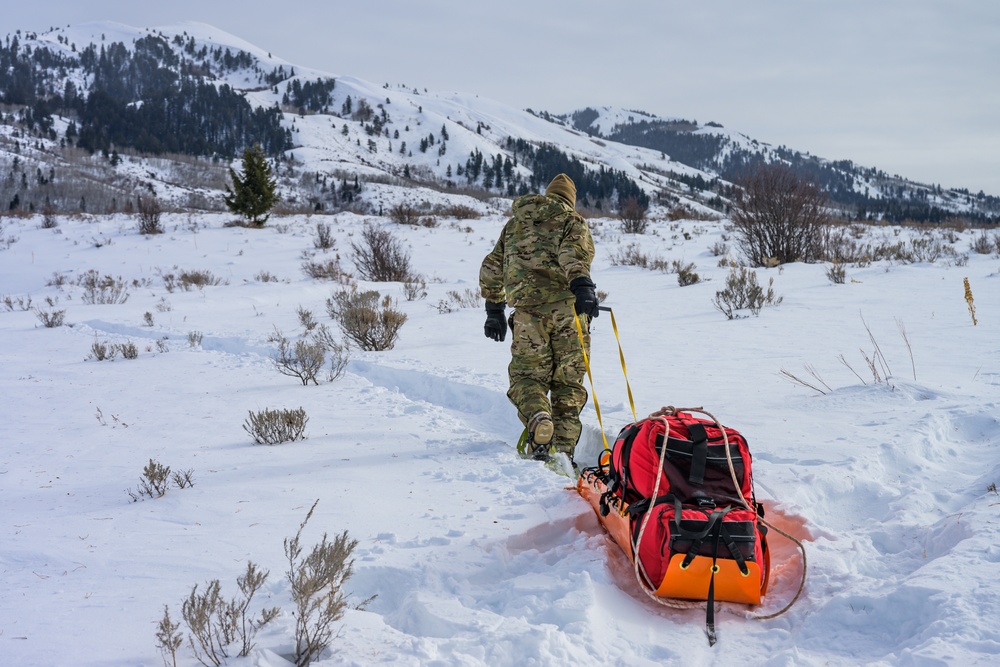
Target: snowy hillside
[[341, 128], [476, 556], [371, 130]]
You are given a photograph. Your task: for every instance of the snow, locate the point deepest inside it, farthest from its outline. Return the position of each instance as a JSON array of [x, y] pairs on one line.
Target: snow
[[476, 556]]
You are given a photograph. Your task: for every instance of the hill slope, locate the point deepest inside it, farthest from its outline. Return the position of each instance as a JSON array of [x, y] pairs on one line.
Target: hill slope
[[134, 99]]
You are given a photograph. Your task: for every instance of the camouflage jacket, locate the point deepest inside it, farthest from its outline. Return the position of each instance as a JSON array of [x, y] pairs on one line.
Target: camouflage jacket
[[544, 246]]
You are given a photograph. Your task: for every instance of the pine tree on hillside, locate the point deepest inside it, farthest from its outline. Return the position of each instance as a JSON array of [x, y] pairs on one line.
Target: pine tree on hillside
[[253, 194]]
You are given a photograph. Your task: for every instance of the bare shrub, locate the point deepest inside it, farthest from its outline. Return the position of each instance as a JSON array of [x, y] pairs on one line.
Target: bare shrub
[[215, 623], [686, 273], [324, 237], [374, 326], [777, 217], [930, 250], [380, 256], [49, 220], [339, 355], [897, 252], [195, 338], [459, 212], [317, 586], [302, 360], [183, 479], [923, 249], [633, 216], [842, 245], [98, 289], [470, 298], [154, 482], [101, 350], [50, 319], [23, 303], [306, 319], [632, 255], [326, 270], [168, 637], [404, 214], [200, 613], [273, 427], [415, 288], [743, 292], [265, 277], [689, 213], [719, 249], [836, 273], [149, 212], [195, 279]]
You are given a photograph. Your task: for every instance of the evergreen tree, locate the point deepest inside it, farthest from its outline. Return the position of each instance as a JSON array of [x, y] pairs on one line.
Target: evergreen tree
[[253, 194]]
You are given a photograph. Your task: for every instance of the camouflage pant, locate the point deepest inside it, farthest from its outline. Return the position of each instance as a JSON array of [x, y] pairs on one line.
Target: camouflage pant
[[547, 368]]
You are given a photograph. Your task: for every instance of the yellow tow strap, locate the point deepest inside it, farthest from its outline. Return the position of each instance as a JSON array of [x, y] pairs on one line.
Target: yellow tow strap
[[590, 375]]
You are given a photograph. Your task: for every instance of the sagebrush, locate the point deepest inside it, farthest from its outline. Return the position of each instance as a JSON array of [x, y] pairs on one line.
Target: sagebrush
[[98, 289], [372, 323], [742, 292], [156, 479], [214, 623], [302, 359], [273, 427], [317, 585], [380, 257]]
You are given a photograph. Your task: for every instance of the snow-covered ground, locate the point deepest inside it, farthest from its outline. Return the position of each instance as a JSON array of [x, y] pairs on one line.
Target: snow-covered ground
[[476, 556]]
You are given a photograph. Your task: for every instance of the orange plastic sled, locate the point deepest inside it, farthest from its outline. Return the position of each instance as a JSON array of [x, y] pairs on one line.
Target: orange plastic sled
[[690, 583]]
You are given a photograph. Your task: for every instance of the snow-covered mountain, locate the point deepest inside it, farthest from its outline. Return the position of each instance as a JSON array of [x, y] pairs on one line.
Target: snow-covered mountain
[[329, 129]]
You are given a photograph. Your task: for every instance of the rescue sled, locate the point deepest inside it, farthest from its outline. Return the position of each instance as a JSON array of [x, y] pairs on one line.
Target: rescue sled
[[675, 493]]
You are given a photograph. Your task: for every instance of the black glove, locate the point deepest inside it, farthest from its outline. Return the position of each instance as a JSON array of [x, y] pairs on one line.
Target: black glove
[[496, 323], [586, 298]]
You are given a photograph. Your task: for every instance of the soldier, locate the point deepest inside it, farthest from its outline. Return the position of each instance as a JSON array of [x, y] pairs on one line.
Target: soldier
[[541, 267]]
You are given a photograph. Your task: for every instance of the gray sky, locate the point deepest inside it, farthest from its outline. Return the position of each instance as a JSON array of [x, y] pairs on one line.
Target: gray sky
[[909, 86]]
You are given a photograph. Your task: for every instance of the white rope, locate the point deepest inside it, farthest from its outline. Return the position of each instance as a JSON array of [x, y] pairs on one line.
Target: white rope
[[640, 572], [636, 561]]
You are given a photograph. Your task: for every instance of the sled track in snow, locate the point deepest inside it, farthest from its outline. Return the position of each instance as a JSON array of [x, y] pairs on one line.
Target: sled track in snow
[[481, 408]]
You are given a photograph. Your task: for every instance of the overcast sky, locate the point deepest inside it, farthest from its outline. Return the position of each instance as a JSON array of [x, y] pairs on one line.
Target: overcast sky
[[909, 86]]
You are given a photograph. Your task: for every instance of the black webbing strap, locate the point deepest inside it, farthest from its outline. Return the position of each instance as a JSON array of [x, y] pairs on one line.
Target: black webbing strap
[[738, 556], [696, 537], [714, 518], [710, 604], [699, 454]]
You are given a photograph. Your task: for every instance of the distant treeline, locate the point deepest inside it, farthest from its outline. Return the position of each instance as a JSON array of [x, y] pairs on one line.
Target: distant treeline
[[897, 200], [145, 99], [597, 189]]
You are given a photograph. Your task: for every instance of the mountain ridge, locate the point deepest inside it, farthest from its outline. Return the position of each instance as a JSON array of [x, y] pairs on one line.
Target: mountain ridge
[[330, 126]]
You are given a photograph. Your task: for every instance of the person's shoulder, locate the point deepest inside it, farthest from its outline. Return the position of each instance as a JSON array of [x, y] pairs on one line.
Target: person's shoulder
[[528, 201]]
